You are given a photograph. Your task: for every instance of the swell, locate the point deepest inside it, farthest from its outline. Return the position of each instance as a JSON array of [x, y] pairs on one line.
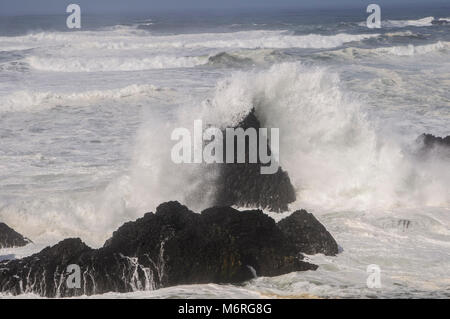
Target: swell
[[112, 64], [29, 100], [440, 47], [126, 40]]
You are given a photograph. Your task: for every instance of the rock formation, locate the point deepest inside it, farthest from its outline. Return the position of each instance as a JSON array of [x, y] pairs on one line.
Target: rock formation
[[10, 238], [174, 246]]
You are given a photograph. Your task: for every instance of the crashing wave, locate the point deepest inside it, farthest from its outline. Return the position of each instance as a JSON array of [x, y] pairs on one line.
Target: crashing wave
[[132, 40]]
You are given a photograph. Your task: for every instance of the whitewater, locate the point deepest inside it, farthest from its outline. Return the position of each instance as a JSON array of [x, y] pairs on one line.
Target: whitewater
[[86, 119]]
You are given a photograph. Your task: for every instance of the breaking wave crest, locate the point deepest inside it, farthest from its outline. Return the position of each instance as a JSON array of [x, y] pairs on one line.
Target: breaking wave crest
[[394, 51], [132, 40], [35, 101], [112, 64], [335, 156]]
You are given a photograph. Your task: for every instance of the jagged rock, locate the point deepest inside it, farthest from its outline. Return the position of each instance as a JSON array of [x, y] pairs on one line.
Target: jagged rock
[[244, 185], [430, 145], [430, 140], [173, 246], [307, 234], [10, 238]]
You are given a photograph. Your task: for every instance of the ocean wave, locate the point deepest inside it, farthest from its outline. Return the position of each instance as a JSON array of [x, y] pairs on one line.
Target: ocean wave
[[110, 64], [14, 66], [126, 39], [15, 48], [411, 50], [399, 51], [423, 22], [242, 39], [27, 100], [243, 58], [406, 34]]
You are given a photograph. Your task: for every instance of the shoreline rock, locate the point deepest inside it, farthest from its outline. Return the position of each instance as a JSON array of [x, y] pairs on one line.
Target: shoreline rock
[[173, 246], [243, 185], [9, 238], [430, 141]]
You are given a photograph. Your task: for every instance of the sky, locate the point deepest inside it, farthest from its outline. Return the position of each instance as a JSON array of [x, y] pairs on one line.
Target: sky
[[16, 7]]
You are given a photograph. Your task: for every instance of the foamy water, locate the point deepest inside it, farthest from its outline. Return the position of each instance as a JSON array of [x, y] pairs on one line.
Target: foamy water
[[86, 117]]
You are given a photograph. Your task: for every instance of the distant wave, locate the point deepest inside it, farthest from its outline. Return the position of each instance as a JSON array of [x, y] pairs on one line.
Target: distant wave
[[103, 64], [28, 100], [401, 51], [406, 34], [132, 39], [411, 50], [423, 22], [243, 58], [14, 66], [242, 39], [15, 47]]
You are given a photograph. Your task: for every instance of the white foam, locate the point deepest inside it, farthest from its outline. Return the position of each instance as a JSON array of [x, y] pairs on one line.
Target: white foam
[[111, 64], [394, 51], [411, 50], [423, 22], [335, 157], [28, 100], [131, 40]]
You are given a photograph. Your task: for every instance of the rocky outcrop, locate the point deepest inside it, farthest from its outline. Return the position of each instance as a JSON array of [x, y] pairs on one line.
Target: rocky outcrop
[[430, 145], [10, 238], [244, 185], [173, 246], [430, 140], [307, 234]]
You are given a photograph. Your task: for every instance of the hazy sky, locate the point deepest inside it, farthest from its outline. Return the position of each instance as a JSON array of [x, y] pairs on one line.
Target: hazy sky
[[12, 7]]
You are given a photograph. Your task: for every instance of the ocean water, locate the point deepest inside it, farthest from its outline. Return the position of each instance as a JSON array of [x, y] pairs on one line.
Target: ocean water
[[86, 117]]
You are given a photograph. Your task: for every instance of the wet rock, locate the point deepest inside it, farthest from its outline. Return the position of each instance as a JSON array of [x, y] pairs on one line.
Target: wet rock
[[173, 246], [433, 146], [307, 234], [244, 185], [10, 238]]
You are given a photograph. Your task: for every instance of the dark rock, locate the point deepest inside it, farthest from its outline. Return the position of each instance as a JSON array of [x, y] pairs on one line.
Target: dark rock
[[173, 246], [432, 146], [244, 185], [10, 238], [430, 140], [307, 234], [42, 273]]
